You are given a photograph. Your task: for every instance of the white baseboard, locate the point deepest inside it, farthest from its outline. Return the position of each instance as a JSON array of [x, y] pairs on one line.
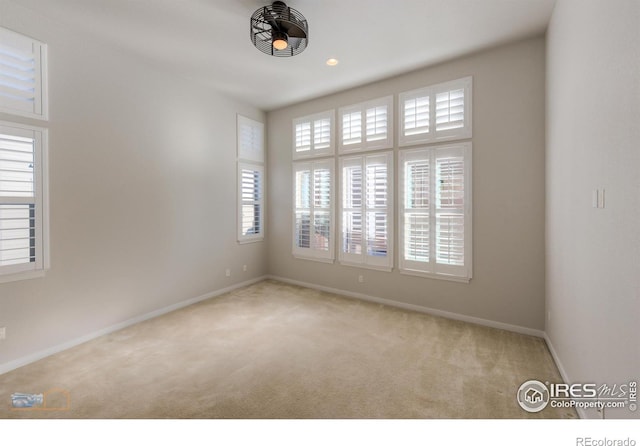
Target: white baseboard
[[20, 362], [418, 308], [563, 372]]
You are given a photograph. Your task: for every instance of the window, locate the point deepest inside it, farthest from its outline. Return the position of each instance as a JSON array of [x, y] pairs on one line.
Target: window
[[24, 249], [313, 135], [435, 213], [23, 77], [366, 210], [438, 113], [313, 210], [250, 135], [366, 126], [251, 202]]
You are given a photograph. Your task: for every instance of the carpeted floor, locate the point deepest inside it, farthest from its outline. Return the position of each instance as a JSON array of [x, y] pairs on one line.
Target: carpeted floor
[[273, 350]]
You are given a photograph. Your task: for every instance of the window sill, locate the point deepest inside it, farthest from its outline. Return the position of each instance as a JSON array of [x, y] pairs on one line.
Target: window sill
[[22, 276], [253, 240], [313, 259], [436, 276], [386, 269]]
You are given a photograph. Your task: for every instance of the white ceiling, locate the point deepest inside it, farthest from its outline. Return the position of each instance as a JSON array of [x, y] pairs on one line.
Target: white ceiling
[[207, 41]]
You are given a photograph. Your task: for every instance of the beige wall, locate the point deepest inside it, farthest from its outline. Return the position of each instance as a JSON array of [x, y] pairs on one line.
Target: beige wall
[[508, 191], [593, 131], [142, 177]]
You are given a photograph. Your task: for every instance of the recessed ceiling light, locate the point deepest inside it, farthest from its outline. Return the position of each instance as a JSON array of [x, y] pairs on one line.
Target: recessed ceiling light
[[332, 62]]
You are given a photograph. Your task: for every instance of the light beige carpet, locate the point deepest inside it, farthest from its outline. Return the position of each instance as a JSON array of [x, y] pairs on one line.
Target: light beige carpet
[[273, 350]]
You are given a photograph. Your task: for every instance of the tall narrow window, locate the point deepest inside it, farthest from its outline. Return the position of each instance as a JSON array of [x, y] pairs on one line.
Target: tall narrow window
[[23, 200], [313, 135], [250, 135], [437, 113], [435, 217], [366, 126], [366, 210], [23, 79], [313, 210], [251, 201]]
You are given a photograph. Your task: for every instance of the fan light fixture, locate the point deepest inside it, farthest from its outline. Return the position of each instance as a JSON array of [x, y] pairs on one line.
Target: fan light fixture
[[278, 30]]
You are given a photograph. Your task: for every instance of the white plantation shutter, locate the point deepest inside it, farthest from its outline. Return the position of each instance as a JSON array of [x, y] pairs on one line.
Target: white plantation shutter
[[437, 113], [250, 139], [416, 115], [303, 137], [321, 133], [250, 207], [449, 209], [250, 210], [366, 210], [22, 75], [313, 135], [313, 210], [352, 128], [23, 241], [377, 123], [417, 206], [436, 211], [450, 110], [366, 126]]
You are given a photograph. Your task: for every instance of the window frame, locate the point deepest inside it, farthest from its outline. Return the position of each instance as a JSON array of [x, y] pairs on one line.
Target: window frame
[[40, 201], [432, 269], [364, 144], [250, 156], [244, 237], [363, 259], [312, 121], [310, 253], [434, 135], [40, 108]]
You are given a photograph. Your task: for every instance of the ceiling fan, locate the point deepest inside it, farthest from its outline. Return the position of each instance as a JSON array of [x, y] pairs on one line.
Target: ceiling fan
[[279, 30]]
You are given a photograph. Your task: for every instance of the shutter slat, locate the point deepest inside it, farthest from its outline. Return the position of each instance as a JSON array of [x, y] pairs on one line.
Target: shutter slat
[[20, 73], [352, 128], [16, 166], [450, 110], [376, 123], [17, 238]]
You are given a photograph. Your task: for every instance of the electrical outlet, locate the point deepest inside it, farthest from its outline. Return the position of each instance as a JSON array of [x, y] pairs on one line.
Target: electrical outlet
[[360, 279], [244, 267], [3, 333], [227, 272]]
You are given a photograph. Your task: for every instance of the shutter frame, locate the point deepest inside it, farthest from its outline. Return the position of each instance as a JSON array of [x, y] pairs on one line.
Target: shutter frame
[[14, 206], [320, 231], [369, 246], [436, 135], [432, 268], [321, 135], [367, 141], [23, 67]]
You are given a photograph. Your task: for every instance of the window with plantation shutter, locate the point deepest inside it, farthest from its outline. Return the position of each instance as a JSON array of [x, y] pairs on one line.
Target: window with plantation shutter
[[23, 201], [435, 213], [250, 208], [366, 210], [250, 177], [313, 210], [22, 75], [313, 135], [366, 126], [437, 113]]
